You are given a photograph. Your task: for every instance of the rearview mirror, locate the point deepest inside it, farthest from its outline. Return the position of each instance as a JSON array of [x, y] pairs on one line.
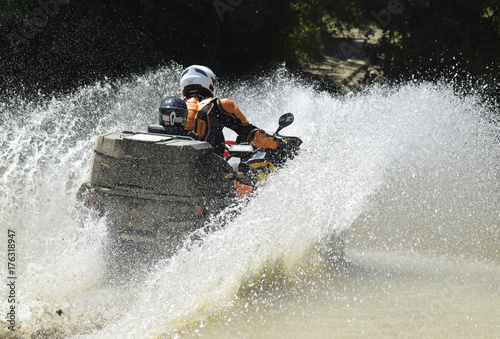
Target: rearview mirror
[[285, 120]]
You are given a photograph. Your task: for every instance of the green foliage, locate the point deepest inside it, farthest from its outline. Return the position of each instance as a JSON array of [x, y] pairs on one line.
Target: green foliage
[[306, 40], [453, 38]]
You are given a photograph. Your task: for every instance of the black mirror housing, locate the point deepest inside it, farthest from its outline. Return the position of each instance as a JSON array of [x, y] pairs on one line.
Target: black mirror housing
[[285, 120]]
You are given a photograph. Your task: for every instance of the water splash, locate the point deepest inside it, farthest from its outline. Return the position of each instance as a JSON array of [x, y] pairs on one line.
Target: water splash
[[441, 193], [363, 152]]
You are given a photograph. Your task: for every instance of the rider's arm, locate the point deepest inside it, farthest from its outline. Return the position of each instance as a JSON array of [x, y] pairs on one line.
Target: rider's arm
[[234, 119]]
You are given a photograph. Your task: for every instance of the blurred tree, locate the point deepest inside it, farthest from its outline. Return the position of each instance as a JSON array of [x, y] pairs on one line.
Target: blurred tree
[[447, 38], [53, 45]]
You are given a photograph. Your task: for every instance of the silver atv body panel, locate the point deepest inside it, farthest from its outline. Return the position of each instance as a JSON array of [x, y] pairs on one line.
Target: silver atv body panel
[[154, 187]]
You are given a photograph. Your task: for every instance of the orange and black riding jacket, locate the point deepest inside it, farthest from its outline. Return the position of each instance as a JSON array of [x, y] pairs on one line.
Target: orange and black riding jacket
[[209, 116]]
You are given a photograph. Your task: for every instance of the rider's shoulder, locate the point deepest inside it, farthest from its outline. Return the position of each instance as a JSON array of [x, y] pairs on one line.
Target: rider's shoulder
[[227, 104]]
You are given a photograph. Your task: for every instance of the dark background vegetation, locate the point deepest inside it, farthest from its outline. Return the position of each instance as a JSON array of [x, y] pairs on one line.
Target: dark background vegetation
[[56, 45]]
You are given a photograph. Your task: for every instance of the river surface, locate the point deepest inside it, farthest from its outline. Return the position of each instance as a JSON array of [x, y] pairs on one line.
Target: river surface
[[410, 174]]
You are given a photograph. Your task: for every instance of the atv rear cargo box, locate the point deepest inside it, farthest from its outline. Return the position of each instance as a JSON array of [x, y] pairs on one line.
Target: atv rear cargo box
[[155, 187]]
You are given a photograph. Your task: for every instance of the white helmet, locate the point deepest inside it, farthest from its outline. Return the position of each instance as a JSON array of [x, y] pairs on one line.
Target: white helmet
[[198, 79]]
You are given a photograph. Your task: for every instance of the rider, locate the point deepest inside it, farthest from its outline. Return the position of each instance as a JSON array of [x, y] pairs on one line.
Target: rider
[[208, 115], [173, 116]]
